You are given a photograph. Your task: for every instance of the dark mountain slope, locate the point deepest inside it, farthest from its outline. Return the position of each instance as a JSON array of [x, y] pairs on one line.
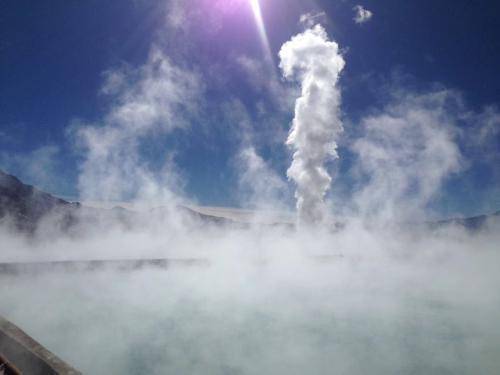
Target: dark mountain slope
[[24, 205], [470, 223]]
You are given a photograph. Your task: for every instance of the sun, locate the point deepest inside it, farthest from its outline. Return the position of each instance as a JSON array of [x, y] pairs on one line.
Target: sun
[[259, 20]]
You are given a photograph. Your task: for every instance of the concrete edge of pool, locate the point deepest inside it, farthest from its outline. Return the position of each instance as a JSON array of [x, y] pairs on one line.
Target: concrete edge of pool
[[22, 354]]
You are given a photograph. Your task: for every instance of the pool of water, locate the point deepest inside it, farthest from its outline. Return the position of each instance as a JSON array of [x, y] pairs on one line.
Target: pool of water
[[334, 318]]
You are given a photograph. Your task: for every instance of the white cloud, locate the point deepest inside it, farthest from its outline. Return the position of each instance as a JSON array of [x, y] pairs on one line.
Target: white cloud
[[310, 19], [176, 14], [362, 15], [115, 80]]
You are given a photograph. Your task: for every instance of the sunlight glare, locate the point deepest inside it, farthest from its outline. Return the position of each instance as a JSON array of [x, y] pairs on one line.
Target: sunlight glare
[[261, 28]]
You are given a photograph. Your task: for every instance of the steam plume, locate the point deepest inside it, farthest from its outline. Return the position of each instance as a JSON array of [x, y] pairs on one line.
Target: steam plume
[[151, 100], [313, 60]]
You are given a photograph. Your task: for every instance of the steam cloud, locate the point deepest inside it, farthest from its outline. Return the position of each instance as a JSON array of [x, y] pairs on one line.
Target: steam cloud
[[269, 299], [406, 152], [149, 101], [362, 15], [313, 60]]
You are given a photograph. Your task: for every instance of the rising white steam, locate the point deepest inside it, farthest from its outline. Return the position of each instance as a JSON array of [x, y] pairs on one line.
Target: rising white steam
[[313, 60], [148, 102], [260, 185], [405, 153]]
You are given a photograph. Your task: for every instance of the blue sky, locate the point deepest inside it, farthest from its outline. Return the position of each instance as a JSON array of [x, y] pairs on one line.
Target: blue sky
[[57, 56]]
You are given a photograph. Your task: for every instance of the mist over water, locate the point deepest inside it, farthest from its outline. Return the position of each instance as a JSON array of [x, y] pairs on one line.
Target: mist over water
[[273, 301], [371, 293]]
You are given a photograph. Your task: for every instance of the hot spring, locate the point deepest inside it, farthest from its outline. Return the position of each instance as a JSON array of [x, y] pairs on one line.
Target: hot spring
[[270, 301], [236, 104]]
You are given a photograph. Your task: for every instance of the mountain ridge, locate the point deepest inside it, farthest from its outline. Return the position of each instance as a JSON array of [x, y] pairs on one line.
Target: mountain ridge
[[24, 206]]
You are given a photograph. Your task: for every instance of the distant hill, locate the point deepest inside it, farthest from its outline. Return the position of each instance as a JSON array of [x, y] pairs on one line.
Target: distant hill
[[471, 223], [24, 206]]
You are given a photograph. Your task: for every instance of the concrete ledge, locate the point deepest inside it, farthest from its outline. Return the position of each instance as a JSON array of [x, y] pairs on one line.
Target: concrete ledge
[[27, 355], [7, 368]]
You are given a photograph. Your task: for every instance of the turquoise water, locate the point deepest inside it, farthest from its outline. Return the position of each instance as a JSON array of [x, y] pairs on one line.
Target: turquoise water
[[323, 319]]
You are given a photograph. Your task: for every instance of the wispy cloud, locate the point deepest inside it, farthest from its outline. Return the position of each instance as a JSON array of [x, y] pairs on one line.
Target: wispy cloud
[[310, 19], [362, 14]]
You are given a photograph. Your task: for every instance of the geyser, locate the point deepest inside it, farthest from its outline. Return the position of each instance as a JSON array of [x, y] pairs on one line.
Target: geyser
[[171, 290], [313, 60]]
